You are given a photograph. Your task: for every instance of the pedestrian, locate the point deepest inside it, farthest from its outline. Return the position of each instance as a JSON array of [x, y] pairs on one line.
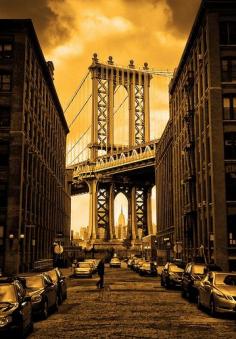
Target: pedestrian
[[100, 270]]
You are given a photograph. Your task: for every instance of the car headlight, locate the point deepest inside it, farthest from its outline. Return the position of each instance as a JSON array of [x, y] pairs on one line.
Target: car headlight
[[5, 320], [196, 282], [36, 298], [229, 297], [221, 295]]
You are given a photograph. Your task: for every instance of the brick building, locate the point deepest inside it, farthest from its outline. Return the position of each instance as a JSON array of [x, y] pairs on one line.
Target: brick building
[[203, 114], [164, 190], [34, 190]]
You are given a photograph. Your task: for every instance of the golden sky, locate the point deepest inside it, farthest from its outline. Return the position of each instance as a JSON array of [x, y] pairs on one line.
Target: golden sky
[[70, 31]]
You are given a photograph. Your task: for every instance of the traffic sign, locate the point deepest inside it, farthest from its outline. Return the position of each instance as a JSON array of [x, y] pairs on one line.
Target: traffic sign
[[178, 248], [58, 249]]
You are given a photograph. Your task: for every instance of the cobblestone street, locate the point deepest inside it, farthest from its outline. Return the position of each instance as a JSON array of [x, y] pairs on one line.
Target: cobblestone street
[[130, 306]]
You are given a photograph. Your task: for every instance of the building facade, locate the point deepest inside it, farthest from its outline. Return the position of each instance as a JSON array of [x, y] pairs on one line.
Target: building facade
[[34, 190], [164, 194], [203, 116]]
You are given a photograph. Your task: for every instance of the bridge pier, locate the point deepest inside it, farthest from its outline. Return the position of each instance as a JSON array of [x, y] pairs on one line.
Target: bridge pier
[[101, 217], [111, 212], [92, 209], [134, 230]]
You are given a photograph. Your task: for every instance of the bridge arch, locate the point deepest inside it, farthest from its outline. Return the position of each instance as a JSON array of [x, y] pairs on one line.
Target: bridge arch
[[121, 216], [121, 116]]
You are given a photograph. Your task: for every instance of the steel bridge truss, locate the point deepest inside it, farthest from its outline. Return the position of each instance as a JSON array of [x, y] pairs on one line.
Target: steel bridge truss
[[139, 201], [99, 172], [106, 78]]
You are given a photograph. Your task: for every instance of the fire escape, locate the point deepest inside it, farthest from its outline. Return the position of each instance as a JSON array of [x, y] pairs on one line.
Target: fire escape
[[189, 179]]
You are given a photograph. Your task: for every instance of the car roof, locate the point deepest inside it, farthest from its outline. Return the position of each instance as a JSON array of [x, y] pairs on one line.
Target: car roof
[[8, 280], [28, 275]]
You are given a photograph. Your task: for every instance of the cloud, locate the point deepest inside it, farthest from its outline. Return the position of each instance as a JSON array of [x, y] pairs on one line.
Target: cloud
[[51, 26], [182, 15]]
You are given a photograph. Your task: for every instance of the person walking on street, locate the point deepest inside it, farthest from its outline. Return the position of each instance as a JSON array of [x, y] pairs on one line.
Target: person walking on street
[[101, 271]]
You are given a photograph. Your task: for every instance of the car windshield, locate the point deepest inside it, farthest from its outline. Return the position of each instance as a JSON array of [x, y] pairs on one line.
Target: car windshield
[[225, 279], [84, 265], [198, 269], [115, 259], [146, 265], [34, 282], [52, 275], [175, 269], [7, 293]]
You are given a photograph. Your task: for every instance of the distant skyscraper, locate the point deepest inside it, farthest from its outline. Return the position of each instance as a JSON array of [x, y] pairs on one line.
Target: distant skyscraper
[[121, 227]]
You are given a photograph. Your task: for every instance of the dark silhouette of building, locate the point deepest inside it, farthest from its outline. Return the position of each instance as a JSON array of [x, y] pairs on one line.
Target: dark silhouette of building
[[34, 190], [203, 118]]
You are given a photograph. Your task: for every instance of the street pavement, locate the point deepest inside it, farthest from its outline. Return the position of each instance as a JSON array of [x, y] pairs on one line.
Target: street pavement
[[129, 306]]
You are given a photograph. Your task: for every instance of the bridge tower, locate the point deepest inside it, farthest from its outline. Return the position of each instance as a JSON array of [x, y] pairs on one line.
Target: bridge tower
[[102, 191]]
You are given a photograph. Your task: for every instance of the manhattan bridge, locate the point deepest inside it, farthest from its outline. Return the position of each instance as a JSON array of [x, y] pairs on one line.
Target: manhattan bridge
[[102, 166]]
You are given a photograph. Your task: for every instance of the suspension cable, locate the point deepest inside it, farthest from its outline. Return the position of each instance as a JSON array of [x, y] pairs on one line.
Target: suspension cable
[[71, 149], [77, 156], [121, 105], [80, 110], [76, 92]]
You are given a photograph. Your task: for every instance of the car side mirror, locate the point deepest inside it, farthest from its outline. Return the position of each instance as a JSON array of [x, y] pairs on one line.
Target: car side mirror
[[27, 298]]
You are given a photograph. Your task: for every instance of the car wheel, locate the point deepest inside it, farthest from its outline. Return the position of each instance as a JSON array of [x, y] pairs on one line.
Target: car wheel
[[212, 307], [65, 295], [60, 298], [45, 310], [56, 305], [21, 330], [31, 324], [183, 293], [199, 305], [167, 284]]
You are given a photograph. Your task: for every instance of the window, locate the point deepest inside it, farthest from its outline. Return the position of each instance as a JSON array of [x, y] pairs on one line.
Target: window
[[230, 186], [230, 145], [5, 81], [228, 70], [231, 224], [228, 33], [229, 107], [3, 195], [6, 50], [4, 117]]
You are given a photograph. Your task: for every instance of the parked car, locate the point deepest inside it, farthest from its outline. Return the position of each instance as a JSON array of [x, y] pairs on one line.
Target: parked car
[[192, 276], [137, 263], [43, 293], [217, 292], [83, 269], [129, 262], [115, 262], [93, 264], [15, 309], [60, 280], [148, 269], [171, 275]]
